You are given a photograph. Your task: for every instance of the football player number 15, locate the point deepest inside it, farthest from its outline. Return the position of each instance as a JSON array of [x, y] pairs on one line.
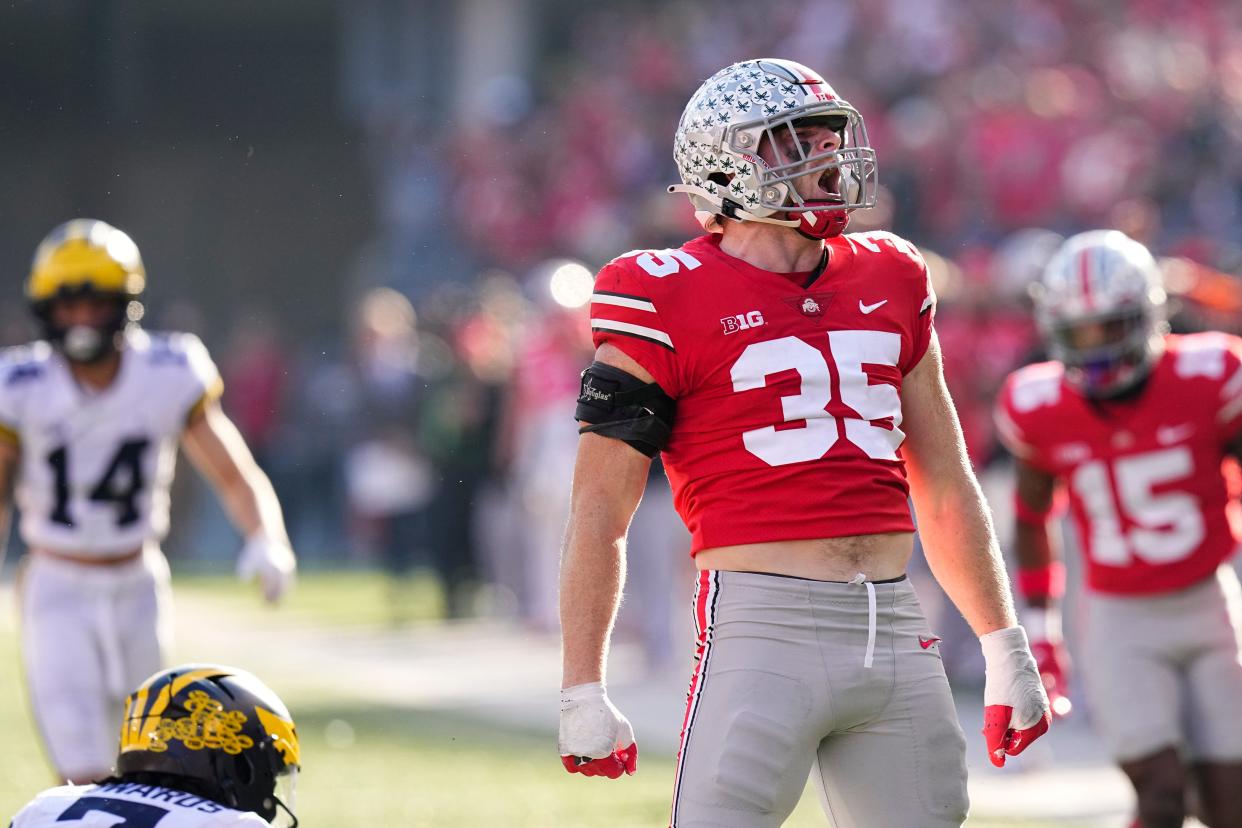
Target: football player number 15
[[850, 351], [1164, 527]]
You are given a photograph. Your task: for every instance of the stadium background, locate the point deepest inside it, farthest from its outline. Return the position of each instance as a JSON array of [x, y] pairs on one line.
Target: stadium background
[[361, 206]]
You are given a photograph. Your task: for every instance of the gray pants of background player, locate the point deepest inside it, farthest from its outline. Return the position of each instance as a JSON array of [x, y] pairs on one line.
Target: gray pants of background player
[[1166, 670], [840, 680]]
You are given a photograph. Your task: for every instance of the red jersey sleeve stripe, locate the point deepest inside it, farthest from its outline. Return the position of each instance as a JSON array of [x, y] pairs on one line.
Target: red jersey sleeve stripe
[[1011, 434], [1231, 394], [622, 300], [636, 331]]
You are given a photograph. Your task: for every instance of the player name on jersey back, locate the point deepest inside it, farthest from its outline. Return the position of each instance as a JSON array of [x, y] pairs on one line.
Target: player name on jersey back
[[129, 805], [788, 420]]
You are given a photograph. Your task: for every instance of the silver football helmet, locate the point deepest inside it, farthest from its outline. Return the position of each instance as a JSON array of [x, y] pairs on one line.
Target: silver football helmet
[[1101, 306], [763, 103]]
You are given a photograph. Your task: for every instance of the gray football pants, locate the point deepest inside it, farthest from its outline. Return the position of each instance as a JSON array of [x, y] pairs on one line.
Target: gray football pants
[[840, 680], [1166, 670]]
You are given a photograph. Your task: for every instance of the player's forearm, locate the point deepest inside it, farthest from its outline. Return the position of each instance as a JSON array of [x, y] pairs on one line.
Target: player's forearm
[[961, 549], [1040, 575], [252, 505], [217, 450], [609, 478], [592, 574], [1036, 551]]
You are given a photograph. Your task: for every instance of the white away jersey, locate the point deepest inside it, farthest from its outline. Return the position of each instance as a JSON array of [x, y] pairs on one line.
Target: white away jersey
[[96, 466], [129, 805]]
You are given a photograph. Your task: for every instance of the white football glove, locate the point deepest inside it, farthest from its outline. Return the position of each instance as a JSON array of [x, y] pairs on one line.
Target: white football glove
[[271, 561], [1015, 706], [595, 739]]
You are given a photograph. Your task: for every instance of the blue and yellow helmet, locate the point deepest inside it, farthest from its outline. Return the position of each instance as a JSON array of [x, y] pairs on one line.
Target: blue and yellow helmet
[[215, 731]]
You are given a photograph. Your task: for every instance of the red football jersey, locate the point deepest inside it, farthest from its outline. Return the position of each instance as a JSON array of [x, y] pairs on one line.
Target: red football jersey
[[1149, 499], [788, 421]]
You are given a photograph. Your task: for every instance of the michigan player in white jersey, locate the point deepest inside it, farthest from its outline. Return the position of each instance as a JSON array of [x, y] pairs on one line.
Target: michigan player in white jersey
[[202, 746], [90, 420]]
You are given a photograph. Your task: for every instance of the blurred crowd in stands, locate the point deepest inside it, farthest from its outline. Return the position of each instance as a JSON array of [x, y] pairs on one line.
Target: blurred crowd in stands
[[435, 431]]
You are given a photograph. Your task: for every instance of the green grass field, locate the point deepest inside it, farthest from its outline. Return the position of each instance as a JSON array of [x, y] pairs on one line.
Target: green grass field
[[370, 765]]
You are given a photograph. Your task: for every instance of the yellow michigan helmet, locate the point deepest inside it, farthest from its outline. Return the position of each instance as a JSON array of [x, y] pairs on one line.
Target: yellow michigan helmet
[[85, 255]]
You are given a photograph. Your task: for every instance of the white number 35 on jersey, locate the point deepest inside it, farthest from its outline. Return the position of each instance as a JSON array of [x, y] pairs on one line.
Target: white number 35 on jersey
[[850, 351]]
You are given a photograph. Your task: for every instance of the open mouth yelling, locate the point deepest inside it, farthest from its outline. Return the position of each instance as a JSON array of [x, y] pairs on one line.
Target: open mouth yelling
[[829, 183]]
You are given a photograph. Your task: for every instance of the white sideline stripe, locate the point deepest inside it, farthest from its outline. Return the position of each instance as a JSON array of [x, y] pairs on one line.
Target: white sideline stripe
[[927, 303], [622, 302], [638, 330]]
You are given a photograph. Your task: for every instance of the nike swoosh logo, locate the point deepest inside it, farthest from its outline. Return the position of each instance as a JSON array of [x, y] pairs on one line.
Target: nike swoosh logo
[[1166, 435], [870, 308], [927, 642]]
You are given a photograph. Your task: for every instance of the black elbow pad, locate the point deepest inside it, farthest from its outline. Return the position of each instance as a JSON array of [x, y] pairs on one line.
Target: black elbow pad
[[617, 404]]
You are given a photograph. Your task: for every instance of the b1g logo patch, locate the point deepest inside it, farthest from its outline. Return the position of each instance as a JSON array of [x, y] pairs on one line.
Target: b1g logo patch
[[742, 322]]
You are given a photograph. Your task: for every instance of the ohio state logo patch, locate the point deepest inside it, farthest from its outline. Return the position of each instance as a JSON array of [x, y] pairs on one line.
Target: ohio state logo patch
[[810, 304]]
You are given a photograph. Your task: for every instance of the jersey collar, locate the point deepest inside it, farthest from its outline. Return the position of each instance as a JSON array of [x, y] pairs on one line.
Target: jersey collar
[[840, 254]]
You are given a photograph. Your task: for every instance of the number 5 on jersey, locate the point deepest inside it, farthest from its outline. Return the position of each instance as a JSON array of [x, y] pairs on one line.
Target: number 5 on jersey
[[851, 350]]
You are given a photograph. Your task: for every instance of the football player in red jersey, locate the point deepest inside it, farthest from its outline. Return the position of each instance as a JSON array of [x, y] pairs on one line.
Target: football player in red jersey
[[1134, 423], [791, 377]]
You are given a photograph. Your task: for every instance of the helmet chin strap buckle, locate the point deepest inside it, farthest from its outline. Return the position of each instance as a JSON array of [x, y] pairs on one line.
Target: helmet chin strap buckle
[[822, 224]]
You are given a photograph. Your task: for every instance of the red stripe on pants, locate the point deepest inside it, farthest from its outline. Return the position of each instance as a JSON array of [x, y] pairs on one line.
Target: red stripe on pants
[[704, 596]]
